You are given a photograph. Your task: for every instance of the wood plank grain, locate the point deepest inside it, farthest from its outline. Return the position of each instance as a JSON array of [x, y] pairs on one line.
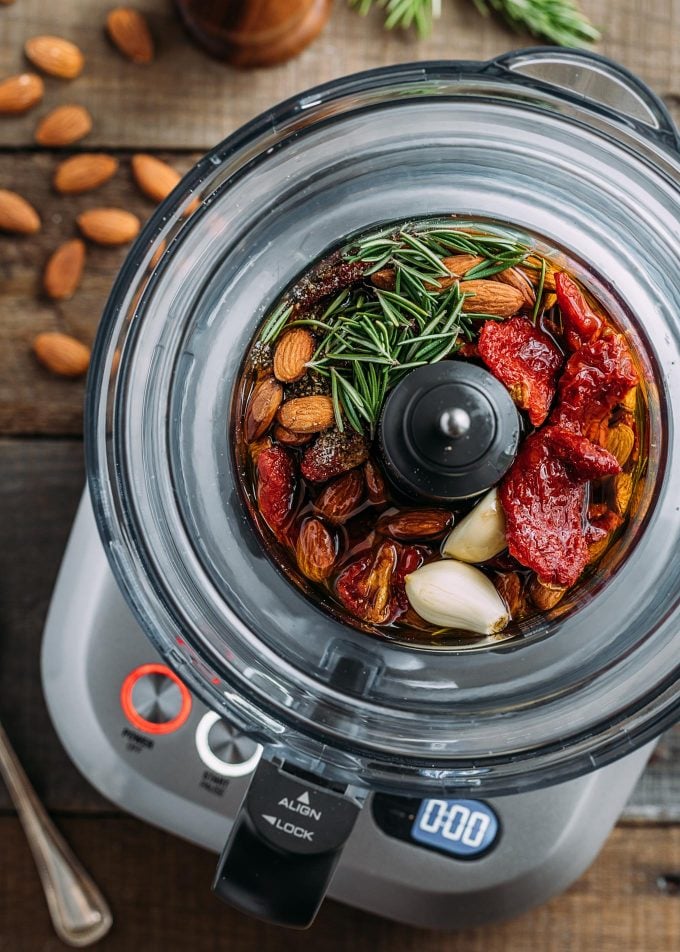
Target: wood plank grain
[[186, 100], [158, 888], [32, 401], [40, 485]]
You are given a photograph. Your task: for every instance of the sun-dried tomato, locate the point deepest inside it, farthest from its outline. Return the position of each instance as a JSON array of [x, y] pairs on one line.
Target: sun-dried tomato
[[583, 458], [330, 276], [581, 324], [543, 498], [595, 379], [372, 586], [525, 360], [275, 487]]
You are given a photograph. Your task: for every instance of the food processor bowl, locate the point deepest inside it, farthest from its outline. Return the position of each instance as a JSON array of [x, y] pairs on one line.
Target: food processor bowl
[[566, 150]]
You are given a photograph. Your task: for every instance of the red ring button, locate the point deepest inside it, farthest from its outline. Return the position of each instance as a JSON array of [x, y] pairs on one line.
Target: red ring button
[[154, 699]]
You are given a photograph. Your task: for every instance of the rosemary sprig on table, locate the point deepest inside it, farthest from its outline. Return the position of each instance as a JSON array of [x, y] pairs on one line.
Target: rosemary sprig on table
[[559, 21]]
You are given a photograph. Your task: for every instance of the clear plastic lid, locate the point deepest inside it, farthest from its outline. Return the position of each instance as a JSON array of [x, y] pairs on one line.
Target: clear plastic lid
[[593, 174]]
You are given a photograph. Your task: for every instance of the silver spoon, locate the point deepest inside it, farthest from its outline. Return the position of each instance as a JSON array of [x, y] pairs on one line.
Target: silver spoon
[[79, 912]]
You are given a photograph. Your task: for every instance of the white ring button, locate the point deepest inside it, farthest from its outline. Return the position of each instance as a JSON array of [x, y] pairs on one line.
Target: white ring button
[[224, 749]]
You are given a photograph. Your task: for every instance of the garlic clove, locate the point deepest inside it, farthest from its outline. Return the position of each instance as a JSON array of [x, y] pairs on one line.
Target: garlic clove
[[456, 595], [480, 535]]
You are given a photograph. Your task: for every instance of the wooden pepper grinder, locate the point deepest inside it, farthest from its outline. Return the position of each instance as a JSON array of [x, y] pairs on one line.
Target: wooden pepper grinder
[[254, 32]]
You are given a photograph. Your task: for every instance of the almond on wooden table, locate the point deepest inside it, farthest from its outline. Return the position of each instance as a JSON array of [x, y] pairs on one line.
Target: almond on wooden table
[[61, 354], [20, 93], [154, 178], [130, 34], [293, 351], [64, 270], [307, 414], [17, 215], [83, 173], [63, 126], [55, 55], [108, 226]]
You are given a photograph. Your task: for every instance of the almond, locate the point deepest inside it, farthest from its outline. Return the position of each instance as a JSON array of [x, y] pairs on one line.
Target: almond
[[19, 93], [509, 587], [415, 524], [61, 354], [545, 596], [259, 446], [108, 226], [491, 297], [623, 491], [620, 442], [341, 497], [17, 215], [458, 265], [531, 268], [293, 351], [288, 438], [64, 269], [630, 400], [517, 279], [264, 401], [154, 178], [63, 126], [130, 34], [316, 550], [307, 414], [597, 549], [375, 484], [83, 173], [55, 56]]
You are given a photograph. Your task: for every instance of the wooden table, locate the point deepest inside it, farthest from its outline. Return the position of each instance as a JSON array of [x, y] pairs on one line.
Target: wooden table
[[178, 106]]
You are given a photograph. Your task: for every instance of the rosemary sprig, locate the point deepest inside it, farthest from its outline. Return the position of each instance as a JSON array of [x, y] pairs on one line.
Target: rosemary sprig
[[403, 13], [276, 322], [539, 293], [370, 337], [559, 21]]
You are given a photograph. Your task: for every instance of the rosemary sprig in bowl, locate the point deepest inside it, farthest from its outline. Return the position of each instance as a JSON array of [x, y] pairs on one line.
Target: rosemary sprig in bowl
[[369, 337]]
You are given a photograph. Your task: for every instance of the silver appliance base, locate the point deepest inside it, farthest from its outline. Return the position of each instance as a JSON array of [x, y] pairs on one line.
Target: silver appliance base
[[191, 780]]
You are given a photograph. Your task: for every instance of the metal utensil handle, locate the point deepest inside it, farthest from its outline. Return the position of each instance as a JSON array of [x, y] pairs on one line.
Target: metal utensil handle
[[79, 912]]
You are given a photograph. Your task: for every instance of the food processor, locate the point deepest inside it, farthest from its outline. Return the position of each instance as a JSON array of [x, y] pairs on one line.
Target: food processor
[[196, 687]]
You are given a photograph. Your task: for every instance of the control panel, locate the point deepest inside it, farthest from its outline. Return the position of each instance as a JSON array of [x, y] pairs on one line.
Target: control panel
[[145, 742], [462, 829]]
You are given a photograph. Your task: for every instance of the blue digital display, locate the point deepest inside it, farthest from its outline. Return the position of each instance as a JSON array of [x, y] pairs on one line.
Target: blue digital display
[[463, 828]]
